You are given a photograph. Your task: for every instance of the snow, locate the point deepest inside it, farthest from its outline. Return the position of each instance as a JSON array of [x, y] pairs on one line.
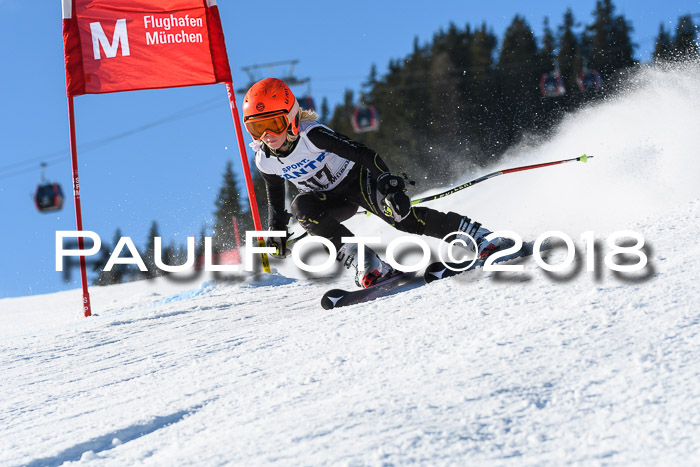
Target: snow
[[485, 368]]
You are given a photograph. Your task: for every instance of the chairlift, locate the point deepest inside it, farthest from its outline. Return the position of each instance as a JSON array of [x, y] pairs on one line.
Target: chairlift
[[288, 76], [48, 196], [365, 118], [552, 85], [306, 102], [590, 81]]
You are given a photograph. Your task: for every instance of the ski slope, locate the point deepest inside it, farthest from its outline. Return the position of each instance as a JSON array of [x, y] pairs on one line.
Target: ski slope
[[485, 368]]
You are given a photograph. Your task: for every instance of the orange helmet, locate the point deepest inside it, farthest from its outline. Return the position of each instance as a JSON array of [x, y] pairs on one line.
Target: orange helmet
[[270, 107]]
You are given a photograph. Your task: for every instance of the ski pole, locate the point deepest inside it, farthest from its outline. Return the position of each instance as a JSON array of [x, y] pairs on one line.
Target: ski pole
[[582, 158]]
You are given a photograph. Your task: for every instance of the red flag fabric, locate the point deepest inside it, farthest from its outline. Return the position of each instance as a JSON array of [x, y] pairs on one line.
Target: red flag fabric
[[126, 45]]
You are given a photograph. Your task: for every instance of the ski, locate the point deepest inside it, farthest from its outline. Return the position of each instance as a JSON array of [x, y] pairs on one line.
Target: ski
[[402, 281], [439, 270], [337, 297]]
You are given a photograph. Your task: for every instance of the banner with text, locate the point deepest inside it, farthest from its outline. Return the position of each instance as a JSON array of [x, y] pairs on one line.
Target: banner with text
[[126, 45]]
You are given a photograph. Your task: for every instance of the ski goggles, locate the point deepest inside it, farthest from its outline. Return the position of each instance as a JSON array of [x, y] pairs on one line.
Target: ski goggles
[[276, 122]]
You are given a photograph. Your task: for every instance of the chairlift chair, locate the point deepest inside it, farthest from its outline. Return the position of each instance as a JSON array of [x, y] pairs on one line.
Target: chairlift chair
[[590, 81], [365, 118], [306, 102], [552, 85], [48, 196]]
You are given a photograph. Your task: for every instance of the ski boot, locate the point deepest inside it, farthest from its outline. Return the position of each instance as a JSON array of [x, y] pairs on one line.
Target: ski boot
[[375, 270], [485, 248]]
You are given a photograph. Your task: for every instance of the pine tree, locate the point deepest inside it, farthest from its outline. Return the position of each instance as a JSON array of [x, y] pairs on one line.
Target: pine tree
[[482, 49], [622, 45], [483, 113], [549, 62], [119, 272], [168, 256], [601, 38], [116, 275], [611, 45], [199, 249], [228, 206], [568, 51], [149, 256], [519, 73], [340, 122], [684, 44], [547, 52], [371, 78], [663, 48], [325, 111], [457, 44], [103, 277], [444, 89], [179, 255]]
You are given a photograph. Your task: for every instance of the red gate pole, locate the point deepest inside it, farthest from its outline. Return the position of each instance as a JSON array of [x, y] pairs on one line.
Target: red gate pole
[[246, 172], [78, 211]]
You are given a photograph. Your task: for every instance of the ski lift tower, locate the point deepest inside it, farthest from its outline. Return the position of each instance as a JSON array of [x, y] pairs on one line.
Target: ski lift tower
[[254, 74]]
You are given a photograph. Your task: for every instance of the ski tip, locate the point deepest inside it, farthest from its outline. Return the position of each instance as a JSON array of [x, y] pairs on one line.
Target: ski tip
[[432, 274], [330, 299]]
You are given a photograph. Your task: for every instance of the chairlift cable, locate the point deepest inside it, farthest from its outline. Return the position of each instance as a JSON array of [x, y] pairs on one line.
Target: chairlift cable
[[58, 155]]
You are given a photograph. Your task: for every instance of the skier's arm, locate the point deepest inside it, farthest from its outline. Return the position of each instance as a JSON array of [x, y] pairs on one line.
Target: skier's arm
[[277, 217], [392, 187], [324, 138]]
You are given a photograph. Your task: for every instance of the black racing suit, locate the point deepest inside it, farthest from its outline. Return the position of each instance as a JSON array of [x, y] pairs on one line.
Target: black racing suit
[[321, 212]]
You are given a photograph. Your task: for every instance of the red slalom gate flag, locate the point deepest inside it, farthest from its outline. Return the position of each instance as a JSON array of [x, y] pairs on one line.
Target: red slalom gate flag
[[127, 45]]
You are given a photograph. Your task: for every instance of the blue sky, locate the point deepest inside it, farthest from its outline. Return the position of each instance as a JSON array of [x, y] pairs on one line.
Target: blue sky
[[159, 155]]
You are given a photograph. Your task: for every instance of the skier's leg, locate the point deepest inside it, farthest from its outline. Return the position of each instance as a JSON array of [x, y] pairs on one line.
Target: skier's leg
[[320, 214], [314, 212], [426, 221], [439, 225]]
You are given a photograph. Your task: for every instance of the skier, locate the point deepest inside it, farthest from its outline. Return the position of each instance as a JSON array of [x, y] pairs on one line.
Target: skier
[[335, 176]]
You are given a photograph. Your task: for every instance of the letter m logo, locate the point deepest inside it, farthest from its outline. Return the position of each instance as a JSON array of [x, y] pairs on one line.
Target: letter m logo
[[100, 39]]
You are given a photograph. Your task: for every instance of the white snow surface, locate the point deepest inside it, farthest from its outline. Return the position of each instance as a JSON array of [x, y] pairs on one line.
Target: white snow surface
[[485, 368]]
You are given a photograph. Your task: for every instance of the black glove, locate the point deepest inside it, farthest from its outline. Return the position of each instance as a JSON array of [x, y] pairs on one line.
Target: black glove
[[395, 201], [278, 220], [280, 244]]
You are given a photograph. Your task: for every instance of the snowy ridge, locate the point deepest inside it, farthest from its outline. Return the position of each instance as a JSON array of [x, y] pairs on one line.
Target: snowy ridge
[[485, 368]]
